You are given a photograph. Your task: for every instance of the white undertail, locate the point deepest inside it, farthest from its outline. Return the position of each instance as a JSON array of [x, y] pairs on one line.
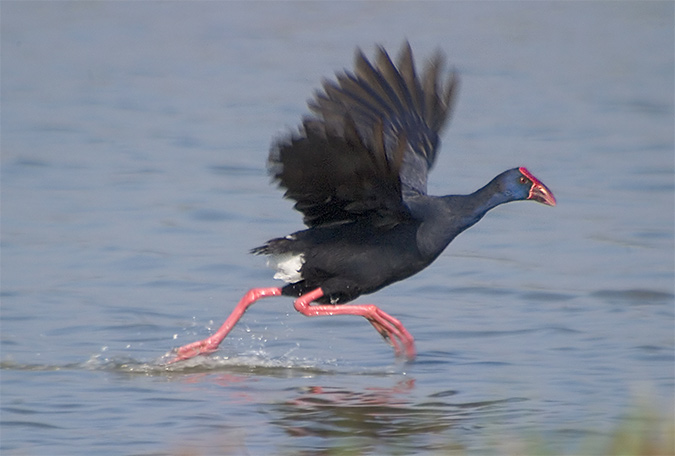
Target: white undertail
[[288, 266]]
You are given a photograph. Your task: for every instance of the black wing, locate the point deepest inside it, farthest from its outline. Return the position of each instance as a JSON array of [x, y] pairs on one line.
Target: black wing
[[373, 137]]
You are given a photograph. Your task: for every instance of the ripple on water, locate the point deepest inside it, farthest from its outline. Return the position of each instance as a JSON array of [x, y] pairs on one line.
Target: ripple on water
[[634, 296]]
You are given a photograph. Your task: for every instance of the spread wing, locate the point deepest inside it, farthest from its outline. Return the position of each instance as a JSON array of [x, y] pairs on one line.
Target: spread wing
[[371, 140]]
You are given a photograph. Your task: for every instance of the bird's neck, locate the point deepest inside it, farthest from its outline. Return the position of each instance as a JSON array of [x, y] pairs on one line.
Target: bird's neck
[[482, 200], [447, 216], [469, 209]]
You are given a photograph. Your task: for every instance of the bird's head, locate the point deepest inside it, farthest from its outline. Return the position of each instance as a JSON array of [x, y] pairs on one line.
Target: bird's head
[[520, 184]]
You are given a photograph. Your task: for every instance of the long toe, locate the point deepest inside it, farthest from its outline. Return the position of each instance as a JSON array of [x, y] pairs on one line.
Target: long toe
[[410, 351], [382, 331], [188, 351]]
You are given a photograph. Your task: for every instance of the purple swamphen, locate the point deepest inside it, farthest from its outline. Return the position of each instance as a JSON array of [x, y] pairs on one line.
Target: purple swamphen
[[357, 171]]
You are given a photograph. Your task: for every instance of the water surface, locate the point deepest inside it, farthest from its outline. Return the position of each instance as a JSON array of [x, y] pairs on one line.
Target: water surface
[[134, 139]]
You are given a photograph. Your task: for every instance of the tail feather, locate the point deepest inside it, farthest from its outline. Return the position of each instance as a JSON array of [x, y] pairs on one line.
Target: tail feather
[[287, 262], [277, 246]]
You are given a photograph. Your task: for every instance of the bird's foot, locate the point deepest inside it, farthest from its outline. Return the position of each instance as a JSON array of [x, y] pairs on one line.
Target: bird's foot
[[389, 327], [385, 335], [201, 347], [394, 334]]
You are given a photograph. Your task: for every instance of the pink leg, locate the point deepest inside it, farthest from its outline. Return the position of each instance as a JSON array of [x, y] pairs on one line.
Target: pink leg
[[210, 344], [389, 327]]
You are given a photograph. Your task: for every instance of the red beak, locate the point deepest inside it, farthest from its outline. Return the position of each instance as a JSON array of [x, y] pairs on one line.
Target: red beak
[[538, 192]]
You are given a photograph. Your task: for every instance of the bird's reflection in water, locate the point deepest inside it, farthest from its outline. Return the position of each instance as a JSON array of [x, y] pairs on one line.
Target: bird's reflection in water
[[369, 420], [354, 419]]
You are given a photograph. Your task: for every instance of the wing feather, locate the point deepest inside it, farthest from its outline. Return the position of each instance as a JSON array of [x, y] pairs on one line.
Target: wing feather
[[370, 141]]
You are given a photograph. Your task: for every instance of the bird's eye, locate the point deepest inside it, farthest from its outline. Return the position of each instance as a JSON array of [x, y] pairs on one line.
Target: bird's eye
[[524, 180]]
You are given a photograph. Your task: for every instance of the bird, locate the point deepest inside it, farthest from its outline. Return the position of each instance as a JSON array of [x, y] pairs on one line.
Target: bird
[[357, 169]]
